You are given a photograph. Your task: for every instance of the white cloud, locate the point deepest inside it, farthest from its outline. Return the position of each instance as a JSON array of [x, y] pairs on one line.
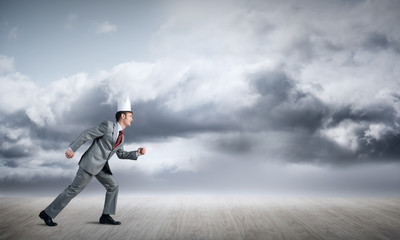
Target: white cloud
[[105, 27], [377, 131], [172, 155], [345, 134], [320, 43], [16, 93], [50, 103], [184, 85]]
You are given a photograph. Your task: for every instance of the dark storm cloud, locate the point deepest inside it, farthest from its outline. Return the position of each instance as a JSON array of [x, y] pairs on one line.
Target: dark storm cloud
[[386, 146], [14, 152], [282, 105], [10, 162], [90, 109], [11, 149], [383, 149], [377, 41], [237, 143], [296, 115], [375, 113], [369, 149], [274, 83], [284, 108], [154, 121]]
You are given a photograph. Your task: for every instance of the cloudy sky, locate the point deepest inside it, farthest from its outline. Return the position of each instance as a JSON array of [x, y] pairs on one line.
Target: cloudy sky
[[238, 97]]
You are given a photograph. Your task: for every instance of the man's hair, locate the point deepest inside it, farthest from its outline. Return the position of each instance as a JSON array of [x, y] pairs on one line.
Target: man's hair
[[118, 114]]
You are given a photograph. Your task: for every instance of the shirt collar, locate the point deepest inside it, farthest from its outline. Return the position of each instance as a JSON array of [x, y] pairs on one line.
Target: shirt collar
[[119, 127]]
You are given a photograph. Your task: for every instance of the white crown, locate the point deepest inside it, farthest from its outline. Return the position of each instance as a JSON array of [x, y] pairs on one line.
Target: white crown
[[124, 105]]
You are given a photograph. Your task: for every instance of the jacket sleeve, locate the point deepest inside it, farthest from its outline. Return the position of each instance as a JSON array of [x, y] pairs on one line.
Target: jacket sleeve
[[89, 134], [126, 155]]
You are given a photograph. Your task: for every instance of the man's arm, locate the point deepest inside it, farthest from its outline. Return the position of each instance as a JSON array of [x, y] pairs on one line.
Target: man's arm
[[86, 135], [130, 155]]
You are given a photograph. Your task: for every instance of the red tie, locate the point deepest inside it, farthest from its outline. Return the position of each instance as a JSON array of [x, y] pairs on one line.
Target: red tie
[[119, 139]]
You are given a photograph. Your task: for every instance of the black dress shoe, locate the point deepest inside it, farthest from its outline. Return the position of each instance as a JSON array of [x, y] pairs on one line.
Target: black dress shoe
[[47, 219], [107, 219]]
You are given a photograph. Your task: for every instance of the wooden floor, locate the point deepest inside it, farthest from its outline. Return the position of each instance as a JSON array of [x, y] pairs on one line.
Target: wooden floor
[[207, 218]]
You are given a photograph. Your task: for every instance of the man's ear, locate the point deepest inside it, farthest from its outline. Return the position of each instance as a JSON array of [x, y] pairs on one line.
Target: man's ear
[[123, 116]]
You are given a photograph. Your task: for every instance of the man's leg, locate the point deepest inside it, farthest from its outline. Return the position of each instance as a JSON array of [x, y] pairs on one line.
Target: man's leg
[[108, 181], [82, 178], [110, 204]]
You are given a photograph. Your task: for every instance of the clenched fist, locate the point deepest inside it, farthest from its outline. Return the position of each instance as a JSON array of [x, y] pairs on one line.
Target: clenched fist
[[69, 153], [141, 151]]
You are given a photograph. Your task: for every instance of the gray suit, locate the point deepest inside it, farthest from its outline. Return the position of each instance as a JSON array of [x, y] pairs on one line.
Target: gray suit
[[94, 162]]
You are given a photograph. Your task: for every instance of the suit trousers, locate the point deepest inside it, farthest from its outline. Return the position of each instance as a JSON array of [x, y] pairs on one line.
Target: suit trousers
[[82, 178]]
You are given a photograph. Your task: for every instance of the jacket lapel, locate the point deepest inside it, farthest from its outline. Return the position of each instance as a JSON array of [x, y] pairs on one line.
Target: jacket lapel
[[114, 134]]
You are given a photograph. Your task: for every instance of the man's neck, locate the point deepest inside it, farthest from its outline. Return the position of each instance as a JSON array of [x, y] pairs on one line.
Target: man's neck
[[122, 125]]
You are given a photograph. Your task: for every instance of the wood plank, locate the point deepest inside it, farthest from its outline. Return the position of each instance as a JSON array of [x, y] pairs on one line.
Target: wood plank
[[207, 218]]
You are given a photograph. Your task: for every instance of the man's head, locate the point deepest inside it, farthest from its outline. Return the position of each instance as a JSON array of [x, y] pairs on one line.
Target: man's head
[[124, 118]]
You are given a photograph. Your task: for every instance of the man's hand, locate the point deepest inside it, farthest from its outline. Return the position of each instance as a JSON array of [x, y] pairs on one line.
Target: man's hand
[[69, 153], [141, 151]]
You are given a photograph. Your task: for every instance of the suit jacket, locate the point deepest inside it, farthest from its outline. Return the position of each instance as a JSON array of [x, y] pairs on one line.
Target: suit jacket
[[104, 137]]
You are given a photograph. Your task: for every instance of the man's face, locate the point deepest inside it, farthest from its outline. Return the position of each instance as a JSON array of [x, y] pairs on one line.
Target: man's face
[[127, 119]]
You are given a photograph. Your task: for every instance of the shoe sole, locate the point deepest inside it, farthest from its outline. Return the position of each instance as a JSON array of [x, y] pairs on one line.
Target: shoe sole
[[110, 223], [41, 217]]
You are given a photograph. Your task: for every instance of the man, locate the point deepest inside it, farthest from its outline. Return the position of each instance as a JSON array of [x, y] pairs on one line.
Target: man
[[107, 139]]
